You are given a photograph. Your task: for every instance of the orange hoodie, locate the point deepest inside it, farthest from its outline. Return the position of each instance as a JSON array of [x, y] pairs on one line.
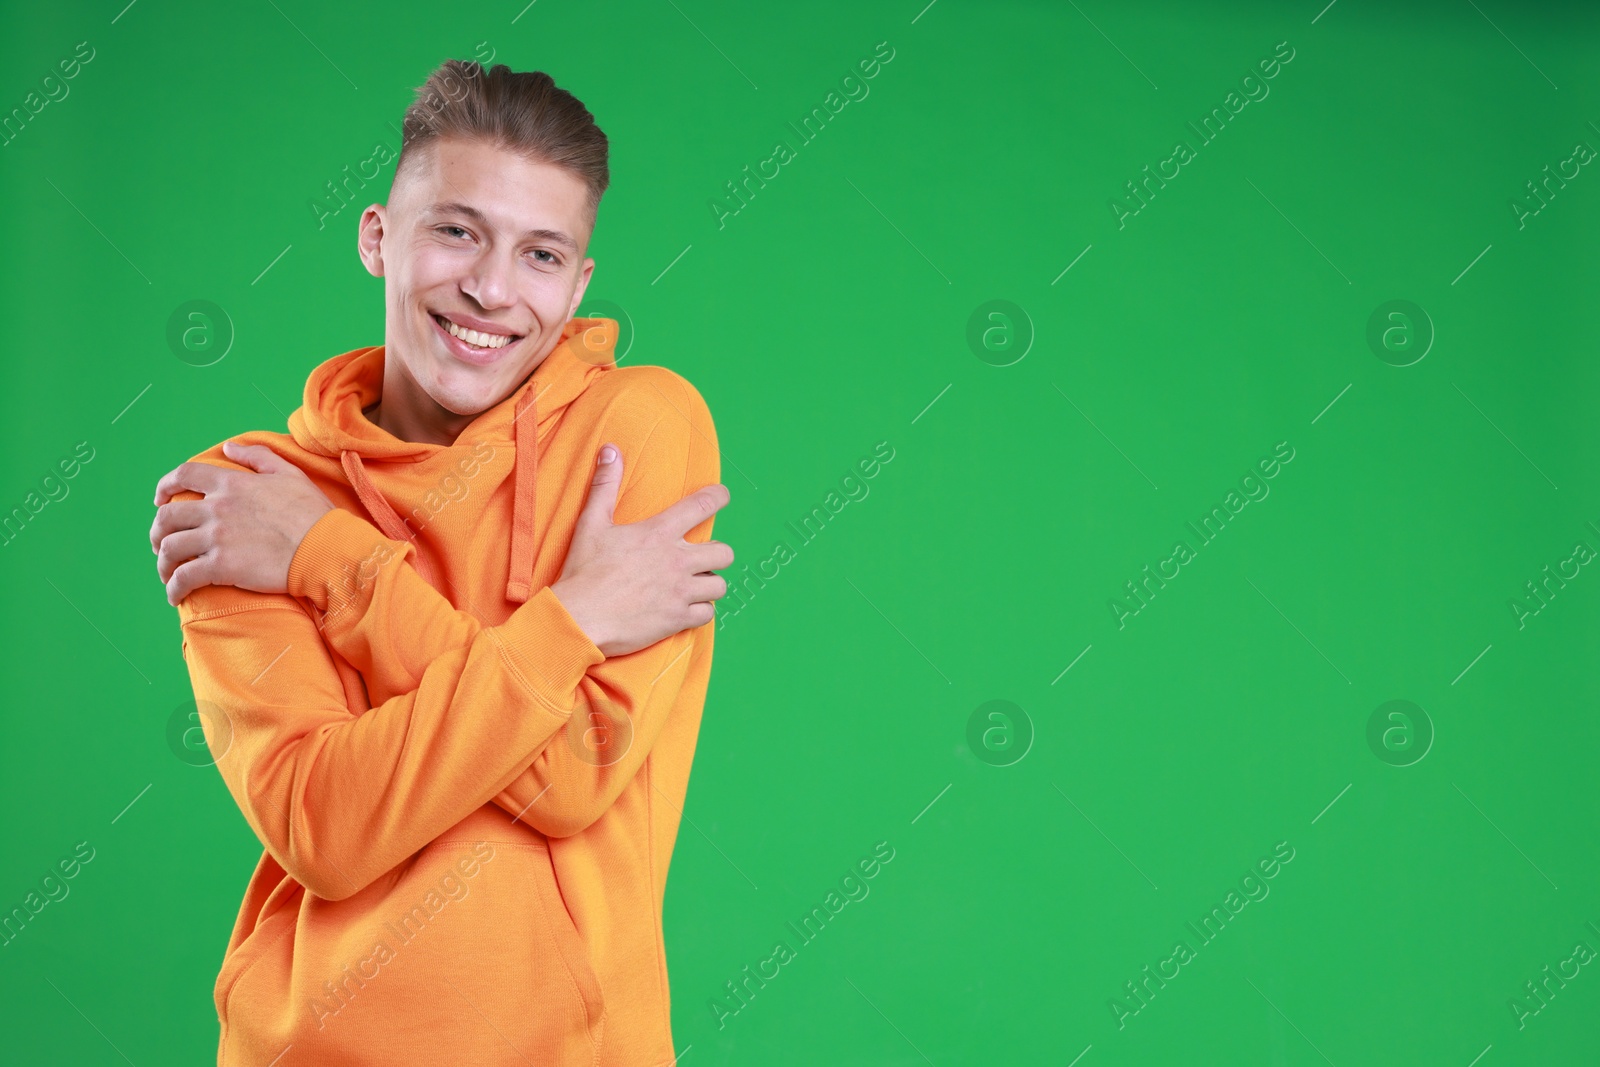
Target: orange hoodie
[[468, 811]]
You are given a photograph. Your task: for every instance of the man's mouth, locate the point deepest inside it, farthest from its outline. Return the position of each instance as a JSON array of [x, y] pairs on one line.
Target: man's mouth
[[476, 339]]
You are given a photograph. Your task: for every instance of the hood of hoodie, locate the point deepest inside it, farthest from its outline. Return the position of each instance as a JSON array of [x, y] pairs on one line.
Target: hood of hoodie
[[331, 422]]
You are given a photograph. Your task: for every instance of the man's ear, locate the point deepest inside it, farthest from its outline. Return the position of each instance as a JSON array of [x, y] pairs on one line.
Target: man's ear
[[369, 238]]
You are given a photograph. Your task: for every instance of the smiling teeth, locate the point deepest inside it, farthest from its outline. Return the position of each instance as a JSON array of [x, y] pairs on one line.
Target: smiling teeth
[[473, 337]]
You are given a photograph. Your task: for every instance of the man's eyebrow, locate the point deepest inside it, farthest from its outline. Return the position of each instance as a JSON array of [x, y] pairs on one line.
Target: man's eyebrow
[[455, 208]]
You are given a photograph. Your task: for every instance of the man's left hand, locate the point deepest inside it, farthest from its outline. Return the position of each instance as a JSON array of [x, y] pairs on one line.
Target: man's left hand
[[244, 532]]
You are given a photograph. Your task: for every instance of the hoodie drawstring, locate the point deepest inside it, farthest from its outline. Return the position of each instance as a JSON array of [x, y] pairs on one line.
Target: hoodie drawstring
[[381, 511], [525, 432]]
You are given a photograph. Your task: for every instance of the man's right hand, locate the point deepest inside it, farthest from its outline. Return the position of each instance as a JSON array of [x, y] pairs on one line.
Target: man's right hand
[[628, 586]]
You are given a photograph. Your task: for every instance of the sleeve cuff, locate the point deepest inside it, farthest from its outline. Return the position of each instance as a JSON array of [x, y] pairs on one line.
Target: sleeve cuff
[[548, 650], [332, 553]]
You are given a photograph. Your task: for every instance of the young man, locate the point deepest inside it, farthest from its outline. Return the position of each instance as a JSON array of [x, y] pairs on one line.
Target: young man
[[452, 668]]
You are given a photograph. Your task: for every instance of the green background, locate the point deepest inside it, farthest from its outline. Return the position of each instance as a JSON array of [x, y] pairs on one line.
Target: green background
[[830, 314]]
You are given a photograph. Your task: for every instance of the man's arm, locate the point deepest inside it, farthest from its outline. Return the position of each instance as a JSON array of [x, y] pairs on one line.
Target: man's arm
[[340, 798], [393, 626]]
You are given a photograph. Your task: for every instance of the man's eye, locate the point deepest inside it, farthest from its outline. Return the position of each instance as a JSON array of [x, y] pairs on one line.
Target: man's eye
[[543, 252], [457, 229]]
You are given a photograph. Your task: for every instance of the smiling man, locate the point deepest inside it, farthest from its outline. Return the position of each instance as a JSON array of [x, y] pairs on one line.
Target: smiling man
[[448, 635]]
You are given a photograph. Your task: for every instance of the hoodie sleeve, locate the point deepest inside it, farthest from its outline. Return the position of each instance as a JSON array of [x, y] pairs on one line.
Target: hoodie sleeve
[[395, 626], [340, 796]]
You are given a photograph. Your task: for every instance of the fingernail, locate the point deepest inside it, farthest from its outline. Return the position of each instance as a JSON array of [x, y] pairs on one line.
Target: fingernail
[[607, 455]]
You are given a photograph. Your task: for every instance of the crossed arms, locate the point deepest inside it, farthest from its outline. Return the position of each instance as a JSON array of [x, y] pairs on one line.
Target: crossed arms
[[461, 714]]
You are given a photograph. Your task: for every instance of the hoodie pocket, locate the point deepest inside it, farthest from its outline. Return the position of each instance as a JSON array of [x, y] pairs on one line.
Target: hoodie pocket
[[463, 955], [575, 954]]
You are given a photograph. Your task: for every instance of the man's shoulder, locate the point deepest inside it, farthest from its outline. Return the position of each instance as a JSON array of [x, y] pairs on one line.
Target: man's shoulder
[[648, 393], [281, 443]]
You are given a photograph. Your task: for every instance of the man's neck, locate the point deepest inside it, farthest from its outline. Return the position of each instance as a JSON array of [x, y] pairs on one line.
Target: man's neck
[[406, 412], [404, 426]]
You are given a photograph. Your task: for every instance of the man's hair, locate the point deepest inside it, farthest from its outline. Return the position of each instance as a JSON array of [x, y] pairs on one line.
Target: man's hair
[[523, 111]]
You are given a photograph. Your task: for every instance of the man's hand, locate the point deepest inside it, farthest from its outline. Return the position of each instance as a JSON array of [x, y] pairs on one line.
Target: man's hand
[[246, 530], [632, 585]]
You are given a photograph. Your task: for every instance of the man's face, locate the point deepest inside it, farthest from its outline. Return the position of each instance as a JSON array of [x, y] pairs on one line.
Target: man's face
[[485, 239]]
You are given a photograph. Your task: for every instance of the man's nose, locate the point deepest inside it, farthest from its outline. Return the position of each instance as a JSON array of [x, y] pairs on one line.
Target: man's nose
[[491, 280]]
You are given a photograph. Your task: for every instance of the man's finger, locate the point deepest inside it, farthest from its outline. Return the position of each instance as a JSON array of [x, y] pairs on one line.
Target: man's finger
[[199, 477], [176, 515], [258, 458], [693, 509], [179, 547], [187, 578], [705, 588], [601, 503], [710, 556]]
